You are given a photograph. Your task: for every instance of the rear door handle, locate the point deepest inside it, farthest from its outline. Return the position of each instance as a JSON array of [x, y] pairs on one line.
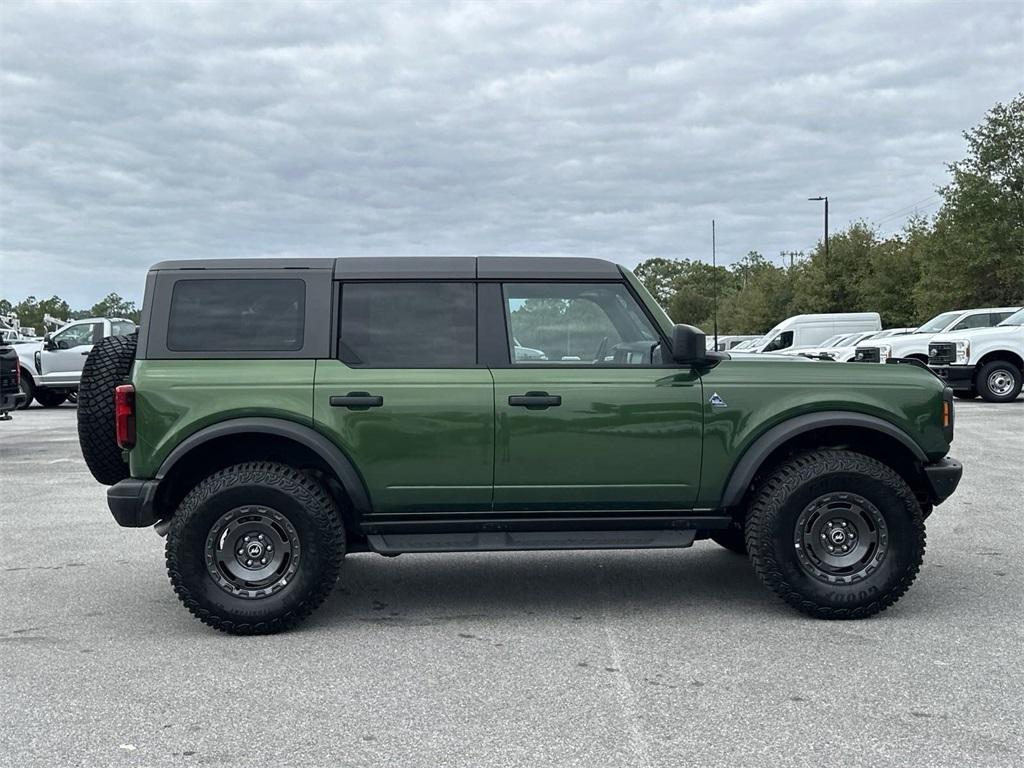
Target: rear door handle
[[357, 401], [535, 401]]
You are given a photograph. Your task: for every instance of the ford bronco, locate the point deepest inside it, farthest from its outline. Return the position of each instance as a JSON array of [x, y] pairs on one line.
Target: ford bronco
[[272, 415]]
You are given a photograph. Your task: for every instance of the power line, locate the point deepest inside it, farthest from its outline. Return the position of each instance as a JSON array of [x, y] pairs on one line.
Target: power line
[[909, 209]]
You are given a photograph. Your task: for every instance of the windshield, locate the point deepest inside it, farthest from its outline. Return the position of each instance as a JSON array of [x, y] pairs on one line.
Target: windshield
[[938, 323], [832, 341], [1017, 318]]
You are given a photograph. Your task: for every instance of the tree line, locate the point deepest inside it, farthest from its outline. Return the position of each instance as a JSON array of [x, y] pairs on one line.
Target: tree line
[[31, 311], [969, 254]]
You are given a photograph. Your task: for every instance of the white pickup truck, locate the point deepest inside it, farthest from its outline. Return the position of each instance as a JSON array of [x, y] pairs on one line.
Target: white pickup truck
[[915, 344], [50, 370], [982, 361]]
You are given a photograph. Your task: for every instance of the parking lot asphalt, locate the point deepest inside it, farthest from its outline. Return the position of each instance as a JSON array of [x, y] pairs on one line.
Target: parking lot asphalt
[[645, 658]]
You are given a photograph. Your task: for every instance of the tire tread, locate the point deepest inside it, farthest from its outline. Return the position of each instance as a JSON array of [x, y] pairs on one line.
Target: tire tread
[[782, 483], [315, 501]]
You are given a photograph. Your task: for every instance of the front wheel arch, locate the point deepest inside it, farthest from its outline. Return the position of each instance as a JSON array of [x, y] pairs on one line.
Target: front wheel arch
[[870, 434]]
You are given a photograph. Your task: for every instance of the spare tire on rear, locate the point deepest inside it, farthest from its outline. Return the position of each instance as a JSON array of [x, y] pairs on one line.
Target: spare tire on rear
[[108, 365]]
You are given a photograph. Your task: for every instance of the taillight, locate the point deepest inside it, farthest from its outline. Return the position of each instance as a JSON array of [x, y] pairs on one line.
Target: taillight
[[124, 415]]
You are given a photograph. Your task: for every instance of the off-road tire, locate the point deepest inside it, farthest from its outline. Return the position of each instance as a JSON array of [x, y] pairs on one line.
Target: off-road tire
[[731, 538], [1007, 369], [50, 398], [795, 486], [108, 365], [28, 389], [307, 507]]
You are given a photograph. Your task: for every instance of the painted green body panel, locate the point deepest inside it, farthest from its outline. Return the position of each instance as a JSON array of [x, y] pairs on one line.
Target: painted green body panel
[[429, 447], [622, 438], [175, 398], [763, 391]]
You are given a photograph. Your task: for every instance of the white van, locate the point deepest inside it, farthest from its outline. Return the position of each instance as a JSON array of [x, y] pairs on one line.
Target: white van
[[811, 330]]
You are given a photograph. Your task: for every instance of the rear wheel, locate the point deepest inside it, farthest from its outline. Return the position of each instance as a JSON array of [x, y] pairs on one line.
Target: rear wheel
[[50, 398], [999, 381], [255, 548], [836, 534]]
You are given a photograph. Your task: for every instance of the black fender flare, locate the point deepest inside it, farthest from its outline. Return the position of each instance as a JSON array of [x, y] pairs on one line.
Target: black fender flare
[[744, 470], [332, 455]]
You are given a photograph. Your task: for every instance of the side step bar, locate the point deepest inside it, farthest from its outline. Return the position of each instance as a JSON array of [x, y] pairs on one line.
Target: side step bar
[[503, 541]]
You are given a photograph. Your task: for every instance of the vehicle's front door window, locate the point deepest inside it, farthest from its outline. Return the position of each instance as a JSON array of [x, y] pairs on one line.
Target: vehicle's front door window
[[980, 320], [77, 335], [572, 324], [783, 341]]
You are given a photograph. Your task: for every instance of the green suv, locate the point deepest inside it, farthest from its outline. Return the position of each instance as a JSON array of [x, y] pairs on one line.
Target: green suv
[[272, 415]]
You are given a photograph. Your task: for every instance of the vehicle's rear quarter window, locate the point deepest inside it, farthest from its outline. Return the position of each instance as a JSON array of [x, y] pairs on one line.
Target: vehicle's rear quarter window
[[408, 324], [243, 315], [121, 327]]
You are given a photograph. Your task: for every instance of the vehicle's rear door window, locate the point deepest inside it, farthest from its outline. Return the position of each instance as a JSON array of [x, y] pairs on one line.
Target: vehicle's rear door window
[[243, 315], [408, 324]]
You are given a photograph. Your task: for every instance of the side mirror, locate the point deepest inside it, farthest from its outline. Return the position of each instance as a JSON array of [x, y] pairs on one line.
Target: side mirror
[[688, 344], [48, 341]]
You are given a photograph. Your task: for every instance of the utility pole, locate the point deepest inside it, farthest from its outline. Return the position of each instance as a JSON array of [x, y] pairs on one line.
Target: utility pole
[[714, 284], [819, 199], [825, 267]]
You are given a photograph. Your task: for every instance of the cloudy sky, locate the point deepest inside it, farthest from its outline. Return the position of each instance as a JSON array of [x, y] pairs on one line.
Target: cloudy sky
[[145, 131]]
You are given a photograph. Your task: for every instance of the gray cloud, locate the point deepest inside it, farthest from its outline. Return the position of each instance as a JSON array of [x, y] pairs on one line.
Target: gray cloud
[[138, 132]]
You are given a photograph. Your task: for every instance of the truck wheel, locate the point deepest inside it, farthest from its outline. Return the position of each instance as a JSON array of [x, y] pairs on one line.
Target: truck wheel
[[28, 389], [255, 548], [998, 381], [109, 364], [50, 398], [836, 534], [731, 538]]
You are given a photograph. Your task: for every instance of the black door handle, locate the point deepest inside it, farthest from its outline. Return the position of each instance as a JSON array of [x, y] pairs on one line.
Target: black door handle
[[86, 354], [535, 401], [357, 401]]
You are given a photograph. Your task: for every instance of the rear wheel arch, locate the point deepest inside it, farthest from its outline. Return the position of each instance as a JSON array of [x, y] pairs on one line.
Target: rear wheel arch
[[261, 439], [864, 433]]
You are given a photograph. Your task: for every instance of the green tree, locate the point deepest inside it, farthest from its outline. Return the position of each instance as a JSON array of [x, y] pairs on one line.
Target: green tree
[[976, 256], [836, 282], [113, 305], [763, 298], [895, 268]]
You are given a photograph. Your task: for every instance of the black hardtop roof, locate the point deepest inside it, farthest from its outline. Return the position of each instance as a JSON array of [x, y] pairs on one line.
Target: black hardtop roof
[[420, 267]]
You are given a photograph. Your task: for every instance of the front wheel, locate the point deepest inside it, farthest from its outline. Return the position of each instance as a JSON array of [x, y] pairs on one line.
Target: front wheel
[[999, 381], [255, 548], [836, 534]]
